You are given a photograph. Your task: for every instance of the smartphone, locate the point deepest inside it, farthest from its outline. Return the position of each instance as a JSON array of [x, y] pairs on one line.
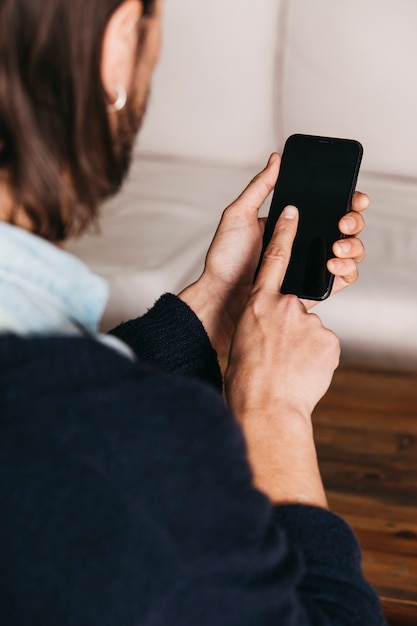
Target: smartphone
[[318, 175]]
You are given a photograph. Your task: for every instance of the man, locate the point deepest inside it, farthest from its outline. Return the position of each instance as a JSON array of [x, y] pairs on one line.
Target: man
[[132, 493]]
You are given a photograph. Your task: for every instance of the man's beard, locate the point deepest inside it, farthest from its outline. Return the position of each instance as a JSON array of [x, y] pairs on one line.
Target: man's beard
[[129, 123]]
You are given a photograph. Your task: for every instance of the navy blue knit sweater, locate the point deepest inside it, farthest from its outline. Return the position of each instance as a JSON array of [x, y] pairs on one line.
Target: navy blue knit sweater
[[126, 496]]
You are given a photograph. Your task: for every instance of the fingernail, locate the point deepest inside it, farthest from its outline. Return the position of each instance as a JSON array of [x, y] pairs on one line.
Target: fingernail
[[290, 212], [336, 266], [349, 224], [344, 247]]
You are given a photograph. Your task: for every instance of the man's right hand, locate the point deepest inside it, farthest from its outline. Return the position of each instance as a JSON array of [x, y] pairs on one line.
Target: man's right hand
[[281, 363]]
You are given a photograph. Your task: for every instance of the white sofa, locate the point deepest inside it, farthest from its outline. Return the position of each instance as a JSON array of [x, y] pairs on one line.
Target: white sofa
[[236, 77]]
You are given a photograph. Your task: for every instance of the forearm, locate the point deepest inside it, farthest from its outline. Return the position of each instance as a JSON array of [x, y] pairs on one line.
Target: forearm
[[283, 457]]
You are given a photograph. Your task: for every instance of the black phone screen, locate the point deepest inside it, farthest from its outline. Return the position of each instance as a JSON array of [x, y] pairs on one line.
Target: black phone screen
[[318, 175]]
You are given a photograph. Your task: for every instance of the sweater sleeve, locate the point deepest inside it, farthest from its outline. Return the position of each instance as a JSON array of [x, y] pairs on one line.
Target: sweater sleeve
[[333, 586], [171, 337], [246, 562], [137, 506]]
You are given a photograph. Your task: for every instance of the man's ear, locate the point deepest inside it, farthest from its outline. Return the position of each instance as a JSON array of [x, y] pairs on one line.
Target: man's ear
[[119, 47]]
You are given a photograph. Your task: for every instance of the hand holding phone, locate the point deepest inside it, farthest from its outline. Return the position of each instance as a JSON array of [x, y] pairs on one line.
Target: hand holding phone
[[318, 175]]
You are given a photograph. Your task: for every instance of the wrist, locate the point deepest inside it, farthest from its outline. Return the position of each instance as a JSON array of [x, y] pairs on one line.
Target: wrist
[[210, 306], [283, 456]]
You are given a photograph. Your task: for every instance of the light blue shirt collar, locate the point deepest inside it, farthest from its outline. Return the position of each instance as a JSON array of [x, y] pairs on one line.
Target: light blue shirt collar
[[45, 290]]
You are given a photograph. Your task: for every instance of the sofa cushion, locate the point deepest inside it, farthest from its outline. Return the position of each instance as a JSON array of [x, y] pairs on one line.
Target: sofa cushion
[[347, 69], [155, 234], [212, 94]]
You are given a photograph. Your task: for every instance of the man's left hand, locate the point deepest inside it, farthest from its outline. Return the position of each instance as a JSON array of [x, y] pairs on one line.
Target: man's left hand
[[219, 295]]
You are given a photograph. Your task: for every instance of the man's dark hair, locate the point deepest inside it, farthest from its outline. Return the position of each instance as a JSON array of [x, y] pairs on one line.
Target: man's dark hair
[[56, 146]]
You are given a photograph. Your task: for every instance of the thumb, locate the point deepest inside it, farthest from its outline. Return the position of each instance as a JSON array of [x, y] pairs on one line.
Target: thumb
[[255, 194]]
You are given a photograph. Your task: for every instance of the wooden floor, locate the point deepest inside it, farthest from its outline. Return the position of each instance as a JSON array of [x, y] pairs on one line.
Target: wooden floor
[[366, 434]]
